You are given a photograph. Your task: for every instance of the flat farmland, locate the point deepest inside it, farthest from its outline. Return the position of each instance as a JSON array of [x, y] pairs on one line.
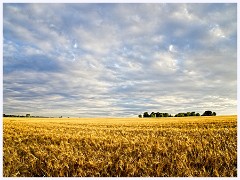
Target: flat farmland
[[124, 147]]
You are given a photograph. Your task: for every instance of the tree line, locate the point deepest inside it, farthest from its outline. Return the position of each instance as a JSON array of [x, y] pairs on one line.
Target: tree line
[[187, 114]]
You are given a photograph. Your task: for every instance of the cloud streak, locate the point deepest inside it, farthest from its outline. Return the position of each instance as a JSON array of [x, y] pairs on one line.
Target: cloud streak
[[119, 59]]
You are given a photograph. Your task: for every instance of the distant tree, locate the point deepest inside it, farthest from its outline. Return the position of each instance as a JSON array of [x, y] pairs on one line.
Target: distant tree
[[192, 114], [214, 114], [165, 114], [140, 116], [207, 113], [152, 114], [197, 114], [180, 115], [157, 114], [145, 114], [160, 114]]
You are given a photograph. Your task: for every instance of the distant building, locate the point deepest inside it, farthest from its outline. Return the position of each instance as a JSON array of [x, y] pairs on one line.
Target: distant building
[[27, 115]]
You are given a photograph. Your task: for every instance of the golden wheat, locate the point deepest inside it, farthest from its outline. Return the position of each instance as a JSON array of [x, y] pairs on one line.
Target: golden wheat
[[155, 147]]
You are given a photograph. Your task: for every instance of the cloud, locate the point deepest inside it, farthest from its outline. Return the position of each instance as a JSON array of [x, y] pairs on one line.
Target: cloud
[[119, 59]]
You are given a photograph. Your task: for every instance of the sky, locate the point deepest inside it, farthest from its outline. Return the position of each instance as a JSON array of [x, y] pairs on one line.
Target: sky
[[119, 60]]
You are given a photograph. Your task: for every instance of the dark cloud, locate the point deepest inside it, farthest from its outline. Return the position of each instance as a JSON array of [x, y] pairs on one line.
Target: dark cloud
[[119, 59]]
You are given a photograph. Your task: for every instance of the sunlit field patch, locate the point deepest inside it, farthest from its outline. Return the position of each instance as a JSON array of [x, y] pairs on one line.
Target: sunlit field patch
[[155, 147]]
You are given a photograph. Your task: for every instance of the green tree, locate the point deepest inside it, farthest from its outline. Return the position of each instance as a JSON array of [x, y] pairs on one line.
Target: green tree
[[180, 115], [165, 115], [140, 116], [153, 114], [192, 114], [207, 113], [145, 114], [197, 114], [214, 114]]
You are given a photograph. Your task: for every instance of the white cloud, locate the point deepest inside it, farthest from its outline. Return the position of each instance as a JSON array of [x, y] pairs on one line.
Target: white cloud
[[172, 48], [217, 31], [165, 62]]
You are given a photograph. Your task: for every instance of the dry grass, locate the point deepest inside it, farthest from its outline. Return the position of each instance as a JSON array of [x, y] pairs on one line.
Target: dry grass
[[194, 146]]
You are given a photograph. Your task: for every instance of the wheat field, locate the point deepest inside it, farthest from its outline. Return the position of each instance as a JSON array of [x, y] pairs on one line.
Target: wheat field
[[124, 147]]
